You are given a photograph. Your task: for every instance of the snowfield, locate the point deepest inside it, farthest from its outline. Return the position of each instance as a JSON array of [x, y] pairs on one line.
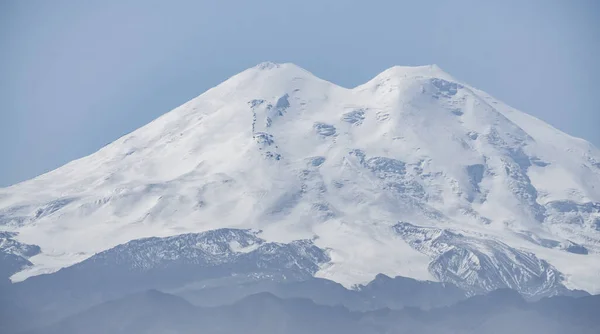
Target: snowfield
[[411, 174]]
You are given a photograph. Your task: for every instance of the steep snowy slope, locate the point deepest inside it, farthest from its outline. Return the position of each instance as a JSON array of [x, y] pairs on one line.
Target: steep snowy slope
[[278, 150]]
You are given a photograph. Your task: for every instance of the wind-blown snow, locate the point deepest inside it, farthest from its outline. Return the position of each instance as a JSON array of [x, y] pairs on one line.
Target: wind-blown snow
[[277, 149]]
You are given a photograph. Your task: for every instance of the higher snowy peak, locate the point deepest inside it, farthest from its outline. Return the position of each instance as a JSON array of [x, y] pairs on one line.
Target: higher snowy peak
[[267, 65], [290, 70], [268, 77]]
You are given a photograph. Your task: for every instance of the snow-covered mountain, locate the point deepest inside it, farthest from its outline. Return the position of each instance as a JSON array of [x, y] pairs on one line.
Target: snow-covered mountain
[[411, 174]]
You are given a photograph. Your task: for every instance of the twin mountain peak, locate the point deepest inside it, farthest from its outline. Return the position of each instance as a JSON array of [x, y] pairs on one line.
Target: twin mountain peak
[[410, 174]]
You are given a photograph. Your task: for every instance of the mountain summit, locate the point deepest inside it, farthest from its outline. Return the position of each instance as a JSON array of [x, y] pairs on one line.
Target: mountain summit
[[410, 174]]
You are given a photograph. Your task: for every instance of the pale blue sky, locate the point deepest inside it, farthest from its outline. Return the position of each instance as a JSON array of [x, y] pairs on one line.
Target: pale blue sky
[[76, 75]]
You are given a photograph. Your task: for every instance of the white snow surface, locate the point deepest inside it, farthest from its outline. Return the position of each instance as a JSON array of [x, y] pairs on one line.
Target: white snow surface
[[277, 149]]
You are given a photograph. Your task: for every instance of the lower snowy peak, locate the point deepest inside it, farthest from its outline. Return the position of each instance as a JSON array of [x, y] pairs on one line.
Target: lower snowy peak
[[508, 200], [478, 264], [188, 261], [222, 252], [14, 255]]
